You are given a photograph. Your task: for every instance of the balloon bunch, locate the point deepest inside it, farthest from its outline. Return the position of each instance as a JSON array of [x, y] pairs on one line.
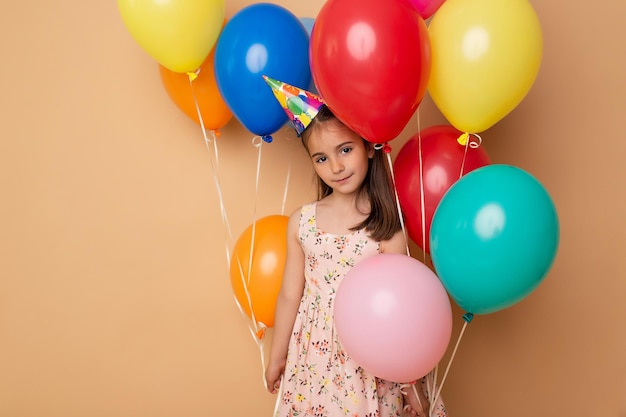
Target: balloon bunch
[[223, 61], [212, 69], [181, 35], [491, 230], [371, 62]]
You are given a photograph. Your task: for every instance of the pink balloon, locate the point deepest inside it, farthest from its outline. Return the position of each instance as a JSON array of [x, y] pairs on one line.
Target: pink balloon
[[393, 317], [426, 8]]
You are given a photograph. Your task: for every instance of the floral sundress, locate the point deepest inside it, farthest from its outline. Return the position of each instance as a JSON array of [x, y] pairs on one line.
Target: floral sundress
[[321, 379]]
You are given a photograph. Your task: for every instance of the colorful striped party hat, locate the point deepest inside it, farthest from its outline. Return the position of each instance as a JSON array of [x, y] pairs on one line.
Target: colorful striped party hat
[[300, 105]]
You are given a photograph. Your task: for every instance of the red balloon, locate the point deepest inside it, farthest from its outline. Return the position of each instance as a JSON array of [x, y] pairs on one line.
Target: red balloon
[[442, 159], [370, 62]]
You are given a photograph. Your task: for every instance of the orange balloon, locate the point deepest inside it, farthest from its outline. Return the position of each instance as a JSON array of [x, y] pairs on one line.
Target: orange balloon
[[215, 113], [269, 253]]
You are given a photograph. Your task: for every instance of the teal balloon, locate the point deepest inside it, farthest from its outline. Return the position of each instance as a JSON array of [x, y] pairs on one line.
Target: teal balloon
[[493, 238]]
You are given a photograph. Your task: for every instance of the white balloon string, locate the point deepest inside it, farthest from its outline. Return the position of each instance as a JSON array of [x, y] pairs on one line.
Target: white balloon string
[[430, 383], [287, 138], [398, 207], [279, 395], [259, 146], [421, 178], [257, 329], [217, 157], [445, 374], [414, 387], [282, 208], [473, 141], [244, 283], [214, 170], [476, 142]]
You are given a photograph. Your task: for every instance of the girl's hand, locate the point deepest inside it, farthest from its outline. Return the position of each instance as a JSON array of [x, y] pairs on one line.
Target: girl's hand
[[414, 406], [273, 376]]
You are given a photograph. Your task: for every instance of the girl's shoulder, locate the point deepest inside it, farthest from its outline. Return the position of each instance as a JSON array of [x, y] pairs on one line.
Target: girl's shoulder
[[303, 214], [306, 210]]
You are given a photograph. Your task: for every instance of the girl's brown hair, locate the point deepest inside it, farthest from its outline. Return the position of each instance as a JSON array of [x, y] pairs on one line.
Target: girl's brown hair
[[383, 220]]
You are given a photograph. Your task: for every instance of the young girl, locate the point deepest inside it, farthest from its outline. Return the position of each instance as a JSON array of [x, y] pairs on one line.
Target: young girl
[[354, 218]]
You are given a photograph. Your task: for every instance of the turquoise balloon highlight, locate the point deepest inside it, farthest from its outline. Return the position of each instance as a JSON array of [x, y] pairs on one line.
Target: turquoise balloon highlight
[[493, 238]]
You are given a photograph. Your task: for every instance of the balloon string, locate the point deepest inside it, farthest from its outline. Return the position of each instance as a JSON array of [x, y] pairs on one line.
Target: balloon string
[[257, 329], [259, 145], [445, 374], [414, 386], [421, 177], [431, 383], [431, 378], [473, 141], [398, 208], [279, 396], [287, 180], [214, 167], [282, 208]]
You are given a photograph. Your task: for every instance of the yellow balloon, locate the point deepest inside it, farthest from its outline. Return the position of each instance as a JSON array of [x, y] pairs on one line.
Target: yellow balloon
[[178, 34], [485, 57]]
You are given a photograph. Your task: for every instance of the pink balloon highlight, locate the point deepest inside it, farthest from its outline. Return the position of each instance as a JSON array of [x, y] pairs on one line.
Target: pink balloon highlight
[[393, 317]]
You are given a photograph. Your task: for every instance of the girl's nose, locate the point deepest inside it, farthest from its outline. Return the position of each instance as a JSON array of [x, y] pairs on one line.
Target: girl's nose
[[337, 166]]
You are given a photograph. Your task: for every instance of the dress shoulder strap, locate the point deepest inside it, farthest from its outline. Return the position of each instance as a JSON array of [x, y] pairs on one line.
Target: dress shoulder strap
[[307, 215]]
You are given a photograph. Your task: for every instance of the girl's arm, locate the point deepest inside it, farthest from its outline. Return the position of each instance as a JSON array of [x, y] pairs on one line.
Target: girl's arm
[[287, 305]]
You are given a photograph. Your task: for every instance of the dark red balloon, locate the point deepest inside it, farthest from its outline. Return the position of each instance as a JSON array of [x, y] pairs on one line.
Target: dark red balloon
[[370, 61], [442, 159]]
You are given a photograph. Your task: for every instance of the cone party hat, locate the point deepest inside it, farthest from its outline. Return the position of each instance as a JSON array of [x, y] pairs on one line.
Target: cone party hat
[[300, 105]]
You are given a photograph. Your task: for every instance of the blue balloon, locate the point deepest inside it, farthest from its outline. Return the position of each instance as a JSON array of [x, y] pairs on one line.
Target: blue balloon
[[493, 238], [261, 39]]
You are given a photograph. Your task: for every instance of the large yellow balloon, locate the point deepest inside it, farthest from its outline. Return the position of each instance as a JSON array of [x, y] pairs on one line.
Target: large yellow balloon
[[178, 34], [485, 57], [259, 289]]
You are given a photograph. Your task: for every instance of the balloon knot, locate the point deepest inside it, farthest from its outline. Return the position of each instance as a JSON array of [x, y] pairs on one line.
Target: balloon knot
[[462, 140], [267, 138], [472, 140], [468, 317], [386, 148], [193, 75], [260, 334], [217, 133]]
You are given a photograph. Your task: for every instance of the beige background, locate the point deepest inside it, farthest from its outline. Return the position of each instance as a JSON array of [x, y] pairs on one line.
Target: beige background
[[115, 299]]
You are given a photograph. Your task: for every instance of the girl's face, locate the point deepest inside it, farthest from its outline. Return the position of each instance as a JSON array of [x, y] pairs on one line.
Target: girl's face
[[340, 157]]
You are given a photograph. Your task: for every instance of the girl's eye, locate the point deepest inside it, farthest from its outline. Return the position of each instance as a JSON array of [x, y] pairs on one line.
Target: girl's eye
[[346, 150], [320, 159]]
